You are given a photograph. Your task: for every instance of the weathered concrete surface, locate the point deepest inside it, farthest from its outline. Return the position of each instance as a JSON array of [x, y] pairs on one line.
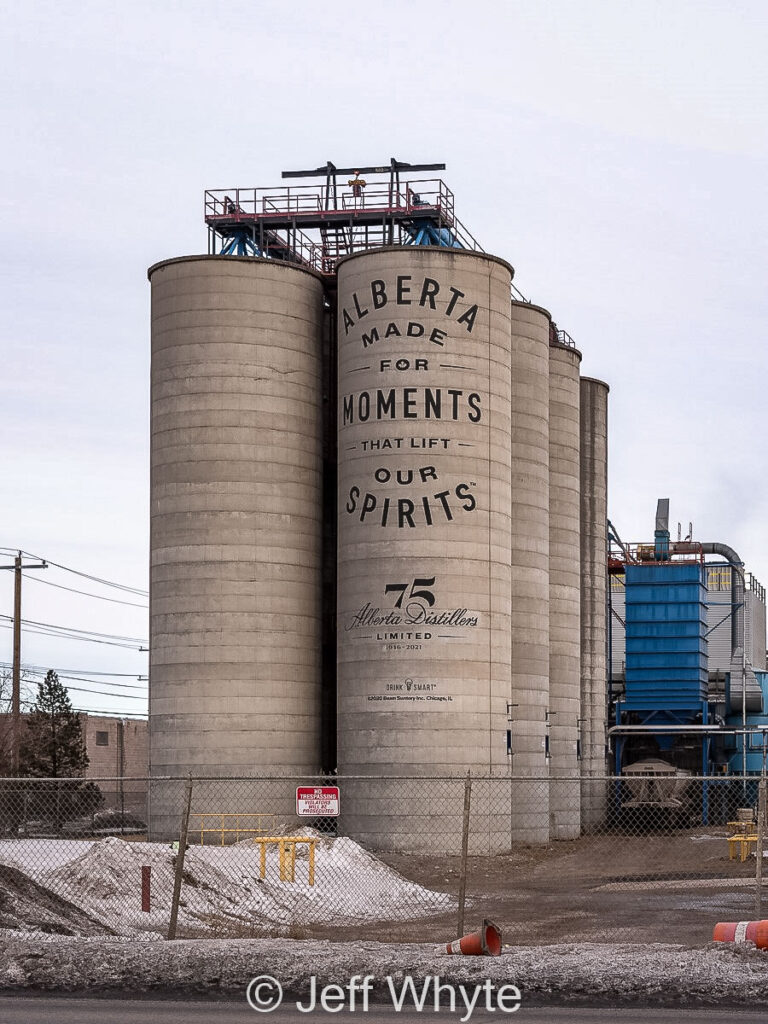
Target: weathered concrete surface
[[594, 557], [652, 974], [529, 443], [424, 585], [564, 590], [236, 518]]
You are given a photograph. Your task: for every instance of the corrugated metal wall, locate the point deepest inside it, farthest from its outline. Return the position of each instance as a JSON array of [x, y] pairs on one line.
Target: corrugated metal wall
[[718, 581], [756, 607], [618, 618]]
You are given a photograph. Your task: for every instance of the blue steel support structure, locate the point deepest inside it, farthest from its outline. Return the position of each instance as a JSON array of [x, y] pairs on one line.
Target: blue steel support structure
[[423, 232], [420, 232], [240, 243]]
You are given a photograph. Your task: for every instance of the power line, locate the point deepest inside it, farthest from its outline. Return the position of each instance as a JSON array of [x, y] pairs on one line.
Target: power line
[[67, 636], [85, 575], [97, 579], [103, 693], [80, 679], [73, 629], [91, 711], [95, 693], [37, 669], [92, 693], [85, 593], [120, 686]]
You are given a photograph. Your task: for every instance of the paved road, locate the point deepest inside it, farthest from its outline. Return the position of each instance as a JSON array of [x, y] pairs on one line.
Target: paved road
[[43, 1009]]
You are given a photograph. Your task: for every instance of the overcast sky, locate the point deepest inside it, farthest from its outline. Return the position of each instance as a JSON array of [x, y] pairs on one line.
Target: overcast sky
[[616, 153]]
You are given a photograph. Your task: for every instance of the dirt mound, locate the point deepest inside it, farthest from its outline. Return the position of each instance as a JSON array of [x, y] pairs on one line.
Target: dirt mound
[[26, 906]]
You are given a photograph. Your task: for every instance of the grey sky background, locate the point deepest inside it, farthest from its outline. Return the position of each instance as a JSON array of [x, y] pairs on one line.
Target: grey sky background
[[614, 152]]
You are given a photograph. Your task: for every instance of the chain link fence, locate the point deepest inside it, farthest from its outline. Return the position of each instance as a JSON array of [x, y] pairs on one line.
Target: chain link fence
[[661, 858]]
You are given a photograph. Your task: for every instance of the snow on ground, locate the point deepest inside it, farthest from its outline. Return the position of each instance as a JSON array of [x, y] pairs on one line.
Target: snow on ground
[[36, 856], [222, 889], [586, 973]]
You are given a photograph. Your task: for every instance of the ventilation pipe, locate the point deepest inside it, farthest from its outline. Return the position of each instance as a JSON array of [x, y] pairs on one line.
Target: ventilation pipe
[[751, 692]]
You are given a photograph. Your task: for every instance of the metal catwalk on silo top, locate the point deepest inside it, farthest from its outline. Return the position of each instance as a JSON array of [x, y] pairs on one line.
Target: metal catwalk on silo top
[[424, 628]]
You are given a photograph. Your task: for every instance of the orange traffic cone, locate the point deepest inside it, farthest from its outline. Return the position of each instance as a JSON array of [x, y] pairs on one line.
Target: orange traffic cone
[[486, 941], [742, 931]]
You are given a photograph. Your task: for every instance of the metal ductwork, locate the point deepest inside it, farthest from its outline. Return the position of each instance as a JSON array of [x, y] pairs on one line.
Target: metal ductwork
[[752, 695], [662, 515]]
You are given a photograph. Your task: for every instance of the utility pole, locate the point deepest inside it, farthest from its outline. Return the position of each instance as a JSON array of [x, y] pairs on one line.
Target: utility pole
[[18, 565]]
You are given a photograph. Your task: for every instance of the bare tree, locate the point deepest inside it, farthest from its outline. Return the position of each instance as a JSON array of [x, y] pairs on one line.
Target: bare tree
[[6, 717], [6, 723]]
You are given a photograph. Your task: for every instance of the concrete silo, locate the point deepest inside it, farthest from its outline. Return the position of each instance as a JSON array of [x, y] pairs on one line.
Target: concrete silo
[[389, 501], [564, 589], [594, 572], [529, 447], [424, 586], [236, 511]]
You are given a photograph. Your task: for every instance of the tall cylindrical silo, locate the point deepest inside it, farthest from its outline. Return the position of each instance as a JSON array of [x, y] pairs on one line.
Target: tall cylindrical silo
[[236, 519], [564, 590], [424, 533], [529, 445], [594, 569]]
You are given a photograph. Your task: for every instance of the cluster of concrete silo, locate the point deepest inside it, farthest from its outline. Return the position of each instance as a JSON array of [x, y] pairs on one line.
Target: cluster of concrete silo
[[468, 544]]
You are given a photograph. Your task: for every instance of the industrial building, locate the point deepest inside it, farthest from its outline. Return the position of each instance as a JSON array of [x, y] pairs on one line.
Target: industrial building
[[687, 684], [378, 527], [117, 750]]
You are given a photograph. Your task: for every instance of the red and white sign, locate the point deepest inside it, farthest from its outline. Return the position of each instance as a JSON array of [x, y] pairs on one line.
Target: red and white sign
[[317, 801]]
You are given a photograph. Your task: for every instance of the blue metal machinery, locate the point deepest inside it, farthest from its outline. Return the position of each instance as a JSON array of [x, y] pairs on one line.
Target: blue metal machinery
[[666, 649], [666, 665], [669, 721], [757, 722]]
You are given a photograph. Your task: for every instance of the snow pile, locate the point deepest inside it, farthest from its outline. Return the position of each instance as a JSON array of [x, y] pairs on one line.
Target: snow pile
[[105, 880], [350, 883], [38, 856], [222, 889]]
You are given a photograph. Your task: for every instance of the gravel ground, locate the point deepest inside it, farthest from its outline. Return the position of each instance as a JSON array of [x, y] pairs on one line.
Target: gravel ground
[[586, 973], [25, 904]]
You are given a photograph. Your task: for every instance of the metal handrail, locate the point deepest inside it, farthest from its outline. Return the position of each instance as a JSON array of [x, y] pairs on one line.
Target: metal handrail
[[238, 830]]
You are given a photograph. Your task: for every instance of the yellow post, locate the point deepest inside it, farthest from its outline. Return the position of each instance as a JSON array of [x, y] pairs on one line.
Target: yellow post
[[281, 846], [263, 860], [312, 862]]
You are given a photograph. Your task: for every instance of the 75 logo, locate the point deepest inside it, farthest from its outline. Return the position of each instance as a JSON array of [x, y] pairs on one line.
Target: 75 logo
[[420, 590]]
